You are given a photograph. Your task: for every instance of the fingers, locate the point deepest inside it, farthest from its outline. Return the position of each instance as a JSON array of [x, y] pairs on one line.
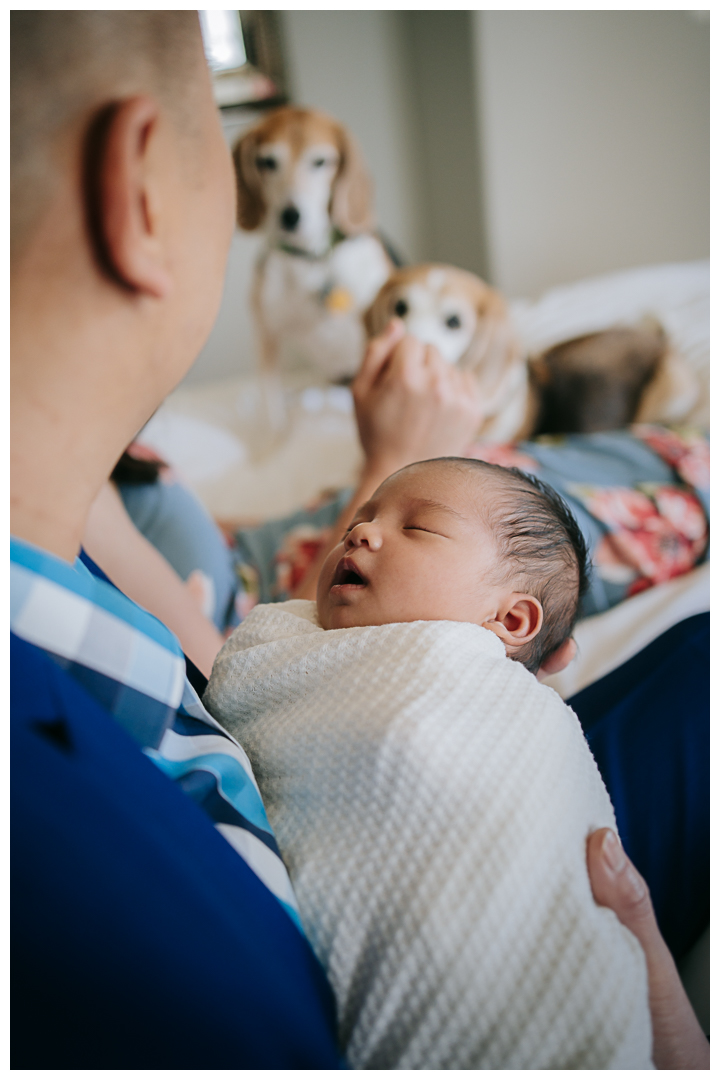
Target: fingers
[[410, 404], [616, 884], [469, 383], [678, 1040], [395, 355], [378, 351], [409, 364]]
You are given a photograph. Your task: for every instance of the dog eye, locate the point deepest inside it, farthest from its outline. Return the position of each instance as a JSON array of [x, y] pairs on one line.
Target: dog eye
[[319, 162], [453, 322], [401, 308], [266, 164]]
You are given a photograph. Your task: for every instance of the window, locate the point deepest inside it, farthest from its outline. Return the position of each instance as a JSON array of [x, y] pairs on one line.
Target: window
[[223, 38], [244, 55]]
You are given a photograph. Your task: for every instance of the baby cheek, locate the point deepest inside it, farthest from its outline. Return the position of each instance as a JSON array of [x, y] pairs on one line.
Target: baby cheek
[[324, 580]]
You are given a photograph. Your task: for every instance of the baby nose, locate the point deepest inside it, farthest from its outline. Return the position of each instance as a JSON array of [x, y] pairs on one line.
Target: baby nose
[[289, 218], [366, 534]]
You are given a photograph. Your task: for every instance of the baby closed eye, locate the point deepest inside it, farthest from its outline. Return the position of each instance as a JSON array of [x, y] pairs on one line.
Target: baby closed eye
[[422, 528]]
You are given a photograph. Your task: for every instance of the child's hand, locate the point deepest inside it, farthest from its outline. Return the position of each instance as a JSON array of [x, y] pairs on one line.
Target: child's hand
[[411, 404]]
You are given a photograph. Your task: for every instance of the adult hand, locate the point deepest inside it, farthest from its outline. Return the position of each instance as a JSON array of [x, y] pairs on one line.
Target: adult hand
[[678, 1039], [411, 404]]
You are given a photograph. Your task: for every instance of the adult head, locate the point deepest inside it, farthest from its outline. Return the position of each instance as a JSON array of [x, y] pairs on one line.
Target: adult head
[[122, 213]]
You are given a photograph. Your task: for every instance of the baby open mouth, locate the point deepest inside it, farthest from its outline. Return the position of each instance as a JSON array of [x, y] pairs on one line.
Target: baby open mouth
[[346, 573]]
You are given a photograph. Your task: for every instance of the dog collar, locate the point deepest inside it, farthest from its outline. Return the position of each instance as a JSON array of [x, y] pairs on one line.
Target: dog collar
[[336, 237]]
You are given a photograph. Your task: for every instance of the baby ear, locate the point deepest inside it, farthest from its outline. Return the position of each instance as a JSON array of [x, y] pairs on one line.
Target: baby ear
[[518, 620], [351, 207], [251, 206]]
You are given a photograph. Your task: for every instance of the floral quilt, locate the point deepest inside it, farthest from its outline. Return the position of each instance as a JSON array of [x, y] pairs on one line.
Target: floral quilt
[[641, 497]]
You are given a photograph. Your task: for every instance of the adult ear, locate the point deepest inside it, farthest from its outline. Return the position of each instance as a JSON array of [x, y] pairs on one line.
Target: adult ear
[[124, 204], [351, 205], [251, 206], [518, 620]]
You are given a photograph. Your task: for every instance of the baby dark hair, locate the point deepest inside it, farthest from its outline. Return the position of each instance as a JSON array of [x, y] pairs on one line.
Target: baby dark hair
[[538, 535]]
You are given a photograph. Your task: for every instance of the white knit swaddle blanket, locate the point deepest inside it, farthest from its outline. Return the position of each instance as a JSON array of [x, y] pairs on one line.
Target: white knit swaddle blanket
[[432, 801]]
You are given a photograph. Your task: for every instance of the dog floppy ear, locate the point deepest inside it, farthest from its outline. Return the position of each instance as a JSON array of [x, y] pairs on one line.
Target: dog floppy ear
[[351, 208], [251, 206], [671, 394], [494, 348], [378, 315], [496, 358]]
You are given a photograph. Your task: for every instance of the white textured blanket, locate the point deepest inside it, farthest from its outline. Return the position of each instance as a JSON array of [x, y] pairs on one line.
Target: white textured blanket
[[432, 802]]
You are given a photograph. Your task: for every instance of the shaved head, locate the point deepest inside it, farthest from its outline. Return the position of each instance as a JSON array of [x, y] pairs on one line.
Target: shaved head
[[66, 66]]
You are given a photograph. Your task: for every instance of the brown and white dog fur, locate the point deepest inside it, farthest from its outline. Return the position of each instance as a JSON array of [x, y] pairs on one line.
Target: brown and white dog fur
[[301, 179], [601, 381], [468, 322]]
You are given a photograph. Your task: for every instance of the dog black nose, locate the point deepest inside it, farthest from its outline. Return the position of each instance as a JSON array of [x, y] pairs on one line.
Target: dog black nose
[[289, 218]]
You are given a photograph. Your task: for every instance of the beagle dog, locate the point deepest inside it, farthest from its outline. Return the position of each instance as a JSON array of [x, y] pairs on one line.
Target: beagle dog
[[468, 322], [301, 179], [598, 382]]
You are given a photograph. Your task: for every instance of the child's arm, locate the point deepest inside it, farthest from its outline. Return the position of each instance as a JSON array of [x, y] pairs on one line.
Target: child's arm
[[141, 572]]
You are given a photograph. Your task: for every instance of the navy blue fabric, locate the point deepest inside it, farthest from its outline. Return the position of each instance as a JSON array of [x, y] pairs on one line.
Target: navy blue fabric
[[93, 567], [139, 938], [648, 726]]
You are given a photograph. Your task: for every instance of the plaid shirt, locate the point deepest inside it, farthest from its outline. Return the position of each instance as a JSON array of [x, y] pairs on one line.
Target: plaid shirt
[[134, 667]]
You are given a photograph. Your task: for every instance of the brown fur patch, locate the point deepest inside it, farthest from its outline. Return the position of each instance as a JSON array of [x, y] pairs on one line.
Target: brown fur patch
[[595, 382], [351, 204]]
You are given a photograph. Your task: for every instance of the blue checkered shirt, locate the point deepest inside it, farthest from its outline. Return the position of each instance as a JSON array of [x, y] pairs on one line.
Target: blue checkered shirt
[[134, 667]]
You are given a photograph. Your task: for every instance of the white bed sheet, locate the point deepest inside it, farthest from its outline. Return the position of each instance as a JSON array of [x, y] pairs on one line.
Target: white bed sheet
[[608, 640]]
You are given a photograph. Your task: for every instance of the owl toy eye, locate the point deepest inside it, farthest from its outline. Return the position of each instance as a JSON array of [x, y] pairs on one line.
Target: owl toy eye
[[401, 308], [453, 322], [266, 164]]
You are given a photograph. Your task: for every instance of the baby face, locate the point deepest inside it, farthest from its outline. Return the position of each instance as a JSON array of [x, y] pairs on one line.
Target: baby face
[[419, 549]]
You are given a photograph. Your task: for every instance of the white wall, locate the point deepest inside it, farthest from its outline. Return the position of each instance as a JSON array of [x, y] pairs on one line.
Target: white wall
[[353, 64], [594, 141], [446, 160], [230, 349]]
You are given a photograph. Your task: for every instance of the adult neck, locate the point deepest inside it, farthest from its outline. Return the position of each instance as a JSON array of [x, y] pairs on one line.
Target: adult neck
[[78, 395]]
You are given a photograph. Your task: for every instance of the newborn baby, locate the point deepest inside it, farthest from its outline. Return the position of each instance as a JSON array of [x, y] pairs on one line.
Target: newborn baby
[[430, 798], [462, 540]]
